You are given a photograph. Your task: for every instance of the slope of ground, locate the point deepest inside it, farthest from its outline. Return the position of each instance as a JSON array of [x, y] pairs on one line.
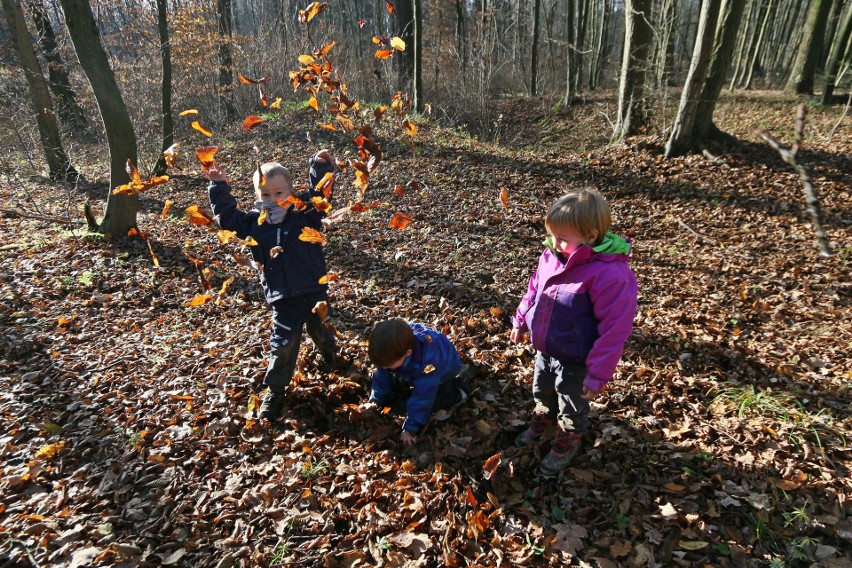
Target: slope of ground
[[128, 435]]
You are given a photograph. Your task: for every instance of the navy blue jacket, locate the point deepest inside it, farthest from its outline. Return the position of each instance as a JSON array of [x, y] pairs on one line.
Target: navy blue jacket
[[433, 360], [296, 270]]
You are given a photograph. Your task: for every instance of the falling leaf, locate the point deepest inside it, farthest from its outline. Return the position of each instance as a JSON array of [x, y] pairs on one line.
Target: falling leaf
[[261, 219], [321, 204], [263, 99], [251, 121], [312, 10], [400, 220], [310, 235], [490, 466], [379, 112], [361, 22], [276, 104], [410, 128], [137, 184], [312, 102], [224, 289], [247, 81], [197, 216], [389, 7], [154, 258], [326, 184], [362, 175], [428, 369], [166, 206], [321, 310], [306, 59], [250, 241], [225, 236], [199, 300], [329, 126], [326, 278], [189, 112], [196, 125], [384, 53], [504, 197], [397, 43], [345, 122], [47, 452], [275, 251], [206, 155], [170, 154]]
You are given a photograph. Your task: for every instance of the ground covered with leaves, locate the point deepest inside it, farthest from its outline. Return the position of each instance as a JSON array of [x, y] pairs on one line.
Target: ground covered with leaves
[[128, 429]]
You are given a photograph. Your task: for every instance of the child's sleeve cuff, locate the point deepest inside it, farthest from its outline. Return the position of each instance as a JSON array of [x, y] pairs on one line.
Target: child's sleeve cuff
[[594, 384]]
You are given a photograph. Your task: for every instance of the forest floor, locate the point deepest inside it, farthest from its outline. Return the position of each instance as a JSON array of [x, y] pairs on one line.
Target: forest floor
[[128, 434]]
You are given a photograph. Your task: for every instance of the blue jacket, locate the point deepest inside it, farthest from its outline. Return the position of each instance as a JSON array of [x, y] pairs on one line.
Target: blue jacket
[[297, 269], [433, 361]]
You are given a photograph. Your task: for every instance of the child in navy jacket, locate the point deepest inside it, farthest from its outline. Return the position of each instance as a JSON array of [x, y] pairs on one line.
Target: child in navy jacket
[[289, 269], [419, 361]]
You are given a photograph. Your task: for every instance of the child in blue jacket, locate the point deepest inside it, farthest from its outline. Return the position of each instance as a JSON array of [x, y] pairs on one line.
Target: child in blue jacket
[[422, 363], [289, 268]]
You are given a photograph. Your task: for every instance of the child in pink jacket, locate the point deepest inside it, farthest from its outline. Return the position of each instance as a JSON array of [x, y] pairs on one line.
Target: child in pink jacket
[[578, 313]]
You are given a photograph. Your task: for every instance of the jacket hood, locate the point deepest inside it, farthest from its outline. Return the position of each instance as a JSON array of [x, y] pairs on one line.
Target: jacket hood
[[611, 244]]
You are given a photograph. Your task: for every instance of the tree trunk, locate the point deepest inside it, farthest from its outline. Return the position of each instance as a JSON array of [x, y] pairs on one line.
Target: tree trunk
[[165, 84], [632, 107], [570, 59], [534, 58], [682, 138], [804, 67], [739, 58], [405, 30], [461, 39], [723, 49], [58, 163], [69, 111], [665, 47], [835, 60], [831, 29], [226, 58], [121, 209], [758, 46], [417, 50], [605, 46]]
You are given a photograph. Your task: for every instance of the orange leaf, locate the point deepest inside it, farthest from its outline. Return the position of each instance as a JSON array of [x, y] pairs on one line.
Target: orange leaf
[[399, 190], [389, 7], [329, 126], [410, 128], [171, 154], [166, 207], [262, 217], [189, 112], [400, 220], [196, 125], [207, 156], [490, 466], [328, 278], [323, 51], [321, 204], [397, 43], [251, 121], [470, 499], [345, 122], [295, 201], [312, 102], [362, 175], [197, 216], [276, 104], [313, 9], [246, 81], [504, 197], [360, 206], [326, 184], [199, 300], [361, 22], [310, 235], [384, 53]]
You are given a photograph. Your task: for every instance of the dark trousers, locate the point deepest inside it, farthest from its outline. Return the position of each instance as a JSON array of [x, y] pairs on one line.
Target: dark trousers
[[558, 387], [448, 394], [288, 317]]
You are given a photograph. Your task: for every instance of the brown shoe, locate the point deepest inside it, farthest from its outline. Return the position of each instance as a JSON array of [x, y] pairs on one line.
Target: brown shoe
[[565, 446], [540, 424]]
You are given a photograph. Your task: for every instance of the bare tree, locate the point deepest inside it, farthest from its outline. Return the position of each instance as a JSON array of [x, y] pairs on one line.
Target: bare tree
[[804, 67], [226, 58], [58, 163], [165, 83], [632, 107], [121, 209], [839, 50]]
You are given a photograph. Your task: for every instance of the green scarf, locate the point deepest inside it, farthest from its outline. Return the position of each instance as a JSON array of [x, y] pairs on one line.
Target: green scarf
[[611, 244]]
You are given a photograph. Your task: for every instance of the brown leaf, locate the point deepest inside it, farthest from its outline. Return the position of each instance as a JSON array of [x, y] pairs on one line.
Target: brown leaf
[[400, 221], [490, 466], [197, 125], [197, 216], [310, 235], [504, 197], [251, 121], [207, 156]]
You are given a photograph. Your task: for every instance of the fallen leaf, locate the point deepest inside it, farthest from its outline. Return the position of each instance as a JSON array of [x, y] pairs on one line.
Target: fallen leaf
[[400, 221]]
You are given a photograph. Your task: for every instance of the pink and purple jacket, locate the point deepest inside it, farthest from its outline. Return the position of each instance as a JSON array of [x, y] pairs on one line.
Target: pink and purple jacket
[[581, 310]]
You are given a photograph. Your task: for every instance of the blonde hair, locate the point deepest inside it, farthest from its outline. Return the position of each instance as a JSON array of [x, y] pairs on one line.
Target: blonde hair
[[583, 210], [270, 169]]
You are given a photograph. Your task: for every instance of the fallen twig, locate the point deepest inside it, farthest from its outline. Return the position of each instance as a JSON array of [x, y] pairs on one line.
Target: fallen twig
[[811, 198]]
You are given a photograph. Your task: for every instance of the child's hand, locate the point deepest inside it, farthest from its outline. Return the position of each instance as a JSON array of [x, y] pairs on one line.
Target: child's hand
[[216, 173], [590, 394], [517, 336], [324, 156], [407, 438]]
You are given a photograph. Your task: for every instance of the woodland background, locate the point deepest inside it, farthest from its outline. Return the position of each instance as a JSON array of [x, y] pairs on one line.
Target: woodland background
[[133, 337]]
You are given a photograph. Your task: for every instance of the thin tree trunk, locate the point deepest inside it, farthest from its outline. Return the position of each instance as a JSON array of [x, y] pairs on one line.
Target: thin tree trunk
[[838, 50], [742, 40], [461, 39], [534, 58], [226, 58], [570, 70], [121, 209], [804, 67], [165, 84], [632, 107], [758, 46], [69, 111], [405, 30], [730, 17], [664, 46], [58, 164], [682, 138], [418, 56], [605, 45]]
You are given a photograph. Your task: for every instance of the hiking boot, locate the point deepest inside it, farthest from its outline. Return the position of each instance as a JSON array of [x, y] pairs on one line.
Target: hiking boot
[[270, 408], [562, 452], [532, 435]]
